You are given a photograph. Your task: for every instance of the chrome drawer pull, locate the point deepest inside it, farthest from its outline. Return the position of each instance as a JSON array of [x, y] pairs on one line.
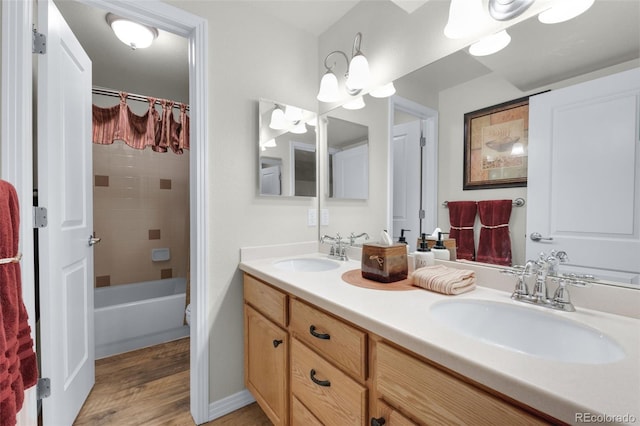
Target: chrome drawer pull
[[313, 332], [324, 383]]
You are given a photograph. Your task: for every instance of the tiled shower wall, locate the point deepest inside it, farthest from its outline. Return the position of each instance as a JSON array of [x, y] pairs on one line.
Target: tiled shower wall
[[140, 202]]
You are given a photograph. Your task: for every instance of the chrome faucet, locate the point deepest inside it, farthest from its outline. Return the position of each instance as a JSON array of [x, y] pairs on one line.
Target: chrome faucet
[[547, 267], [337, 250], [353, 237]]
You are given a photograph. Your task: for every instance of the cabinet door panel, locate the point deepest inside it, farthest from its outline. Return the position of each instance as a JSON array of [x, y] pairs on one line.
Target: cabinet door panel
[[266, 365], [433, 396]]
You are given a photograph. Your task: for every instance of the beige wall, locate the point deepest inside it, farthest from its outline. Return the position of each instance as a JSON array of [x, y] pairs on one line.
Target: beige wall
[[251, 56]]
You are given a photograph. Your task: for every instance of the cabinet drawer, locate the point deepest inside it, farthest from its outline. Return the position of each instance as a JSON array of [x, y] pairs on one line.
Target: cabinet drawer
[[266, 299], [433, 396], [335, 340], [388, 416], [333, 397], [301, 416]]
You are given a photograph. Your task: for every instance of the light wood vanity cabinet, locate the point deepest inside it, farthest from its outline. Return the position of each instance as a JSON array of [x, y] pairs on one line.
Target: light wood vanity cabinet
[[430, 395], [326, 371], [266, 341]]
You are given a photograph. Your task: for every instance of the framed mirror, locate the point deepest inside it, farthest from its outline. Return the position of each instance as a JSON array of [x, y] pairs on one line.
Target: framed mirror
[[287, 144]]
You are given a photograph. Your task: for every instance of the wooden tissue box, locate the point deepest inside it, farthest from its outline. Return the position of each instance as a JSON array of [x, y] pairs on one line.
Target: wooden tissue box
[[383, 263]]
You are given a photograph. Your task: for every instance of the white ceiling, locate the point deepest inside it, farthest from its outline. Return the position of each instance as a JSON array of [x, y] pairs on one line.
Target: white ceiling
[[607, 34]]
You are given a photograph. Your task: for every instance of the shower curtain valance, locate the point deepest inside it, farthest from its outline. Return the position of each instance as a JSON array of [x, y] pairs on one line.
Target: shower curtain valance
[[159, 131]]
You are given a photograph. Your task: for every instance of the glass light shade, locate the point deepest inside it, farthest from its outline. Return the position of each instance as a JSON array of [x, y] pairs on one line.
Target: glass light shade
[[328, 88], [465, 18], [517, 149], [292, 113], [299, 128], [278, 122], [490, 44], [358, 72], [383, 91], [313, 122], [564, 10], [357, 103], [135, 35], [271, 143]]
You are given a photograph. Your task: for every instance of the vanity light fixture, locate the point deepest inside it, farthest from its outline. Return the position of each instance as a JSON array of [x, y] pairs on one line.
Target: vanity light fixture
[[133, 34], [357, 75], [564, 10], [490, 44], [278, 122], [357, 103], [290, 119], [504, 10], [517, 149], [383, 91], [465, 18]]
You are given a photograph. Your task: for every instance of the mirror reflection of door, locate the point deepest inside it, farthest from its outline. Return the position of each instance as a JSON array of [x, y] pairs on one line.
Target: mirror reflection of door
[[304, 169], [348, 162], [270, 176]]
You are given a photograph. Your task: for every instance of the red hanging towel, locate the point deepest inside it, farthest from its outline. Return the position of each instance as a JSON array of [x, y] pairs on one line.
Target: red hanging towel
[[18, 367], [462, 215], [495, 243]]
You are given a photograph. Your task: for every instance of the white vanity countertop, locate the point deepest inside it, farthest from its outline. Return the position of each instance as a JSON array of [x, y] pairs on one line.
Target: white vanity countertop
[[557, 388]]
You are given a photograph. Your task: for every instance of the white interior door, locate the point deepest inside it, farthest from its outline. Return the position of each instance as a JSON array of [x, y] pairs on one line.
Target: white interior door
[[270, 180], [584, 176], [65, 189], [406, 181], [351, 173]]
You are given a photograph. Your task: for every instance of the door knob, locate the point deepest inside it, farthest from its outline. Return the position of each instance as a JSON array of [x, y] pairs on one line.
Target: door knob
[[93, 240], [536, 236]]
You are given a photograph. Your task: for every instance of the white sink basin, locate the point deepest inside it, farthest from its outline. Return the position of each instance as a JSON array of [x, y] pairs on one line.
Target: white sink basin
[[527, 330], [302, 264]]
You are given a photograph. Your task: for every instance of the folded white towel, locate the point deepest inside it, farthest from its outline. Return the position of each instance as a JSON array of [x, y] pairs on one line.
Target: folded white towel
[[445, 280]]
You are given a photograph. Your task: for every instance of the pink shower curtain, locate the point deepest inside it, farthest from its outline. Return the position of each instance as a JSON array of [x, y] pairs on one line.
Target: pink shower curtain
[[495, 243], [151, 129]]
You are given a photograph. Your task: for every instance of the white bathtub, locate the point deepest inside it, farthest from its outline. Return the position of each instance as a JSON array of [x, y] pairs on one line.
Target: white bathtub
[[133, 316]]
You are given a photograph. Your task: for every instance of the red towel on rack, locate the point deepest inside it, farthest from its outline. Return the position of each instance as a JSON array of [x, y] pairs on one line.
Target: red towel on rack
[[18, 366], [462, 216], [495, 243]]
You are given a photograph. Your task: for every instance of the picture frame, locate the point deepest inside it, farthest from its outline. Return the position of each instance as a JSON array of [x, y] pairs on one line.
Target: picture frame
[[496, 142]]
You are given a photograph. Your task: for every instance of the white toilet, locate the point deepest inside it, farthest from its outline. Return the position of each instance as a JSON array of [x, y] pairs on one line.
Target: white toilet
[[187, 313]]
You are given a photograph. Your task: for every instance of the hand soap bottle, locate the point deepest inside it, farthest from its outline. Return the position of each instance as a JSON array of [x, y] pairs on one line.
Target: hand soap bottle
[[439, 250], [423, 256], [402, 239]]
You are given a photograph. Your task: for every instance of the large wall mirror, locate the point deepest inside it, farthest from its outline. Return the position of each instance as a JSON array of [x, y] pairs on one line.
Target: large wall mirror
[[603, 41], [287, 146]]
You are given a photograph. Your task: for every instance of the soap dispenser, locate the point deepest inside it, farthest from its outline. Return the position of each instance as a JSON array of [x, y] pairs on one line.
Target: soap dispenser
[[402, 239], [439, 250], [424, 256]]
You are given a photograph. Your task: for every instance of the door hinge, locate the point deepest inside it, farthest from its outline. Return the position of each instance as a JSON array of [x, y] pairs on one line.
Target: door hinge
[[423, 141], [421, 214], [39, 217], [43, 388], [39, 45]]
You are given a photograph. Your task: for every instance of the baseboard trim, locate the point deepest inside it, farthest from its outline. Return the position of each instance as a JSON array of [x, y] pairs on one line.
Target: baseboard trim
[[231, 403]]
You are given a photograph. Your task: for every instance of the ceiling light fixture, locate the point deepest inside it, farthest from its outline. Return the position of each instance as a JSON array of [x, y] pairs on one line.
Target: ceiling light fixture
[[357, 103], [133, 34], [564, 10], [490, 44], [357, 75]]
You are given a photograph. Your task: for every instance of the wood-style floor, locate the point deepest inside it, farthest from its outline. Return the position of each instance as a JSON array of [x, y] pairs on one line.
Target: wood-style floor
[[151, 387]]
